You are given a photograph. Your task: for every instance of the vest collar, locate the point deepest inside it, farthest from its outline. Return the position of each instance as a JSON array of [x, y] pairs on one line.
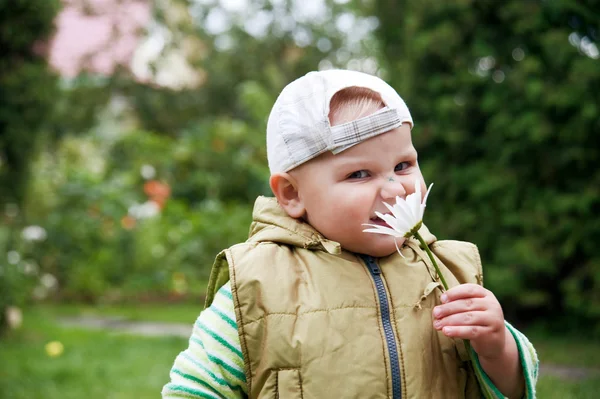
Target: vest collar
[[270, 222]]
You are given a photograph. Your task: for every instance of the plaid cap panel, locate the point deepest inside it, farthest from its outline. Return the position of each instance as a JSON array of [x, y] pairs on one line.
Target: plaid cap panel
[[351, 133], [313, 142], [305, 146]]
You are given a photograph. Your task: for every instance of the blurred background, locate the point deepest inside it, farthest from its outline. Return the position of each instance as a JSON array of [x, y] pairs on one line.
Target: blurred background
[[132, 148]]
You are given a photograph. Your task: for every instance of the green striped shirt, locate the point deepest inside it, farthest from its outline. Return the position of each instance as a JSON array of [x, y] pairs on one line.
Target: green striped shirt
[[213, 365]]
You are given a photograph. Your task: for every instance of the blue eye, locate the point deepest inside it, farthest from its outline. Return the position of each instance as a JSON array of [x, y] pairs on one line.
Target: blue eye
[[401, 166], [359, 174]]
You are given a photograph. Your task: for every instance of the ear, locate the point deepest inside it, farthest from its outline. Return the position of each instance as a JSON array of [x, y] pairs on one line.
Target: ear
[[285, 188]]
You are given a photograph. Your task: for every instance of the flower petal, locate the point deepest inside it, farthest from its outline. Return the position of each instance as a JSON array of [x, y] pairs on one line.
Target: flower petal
[[413, 202], [382, 230], [392, 208], [427, 194], [397, 224], [406, 215], [424, 203], [401, 211], [398, 249]]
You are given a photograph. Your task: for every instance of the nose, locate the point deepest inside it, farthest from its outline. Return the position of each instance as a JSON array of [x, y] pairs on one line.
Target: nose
[[391, 188]]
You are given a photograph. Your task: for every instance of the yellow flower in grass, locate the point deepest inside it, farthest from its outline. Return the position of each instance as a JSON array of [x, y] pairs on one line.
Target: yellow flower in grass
[[54, 348]]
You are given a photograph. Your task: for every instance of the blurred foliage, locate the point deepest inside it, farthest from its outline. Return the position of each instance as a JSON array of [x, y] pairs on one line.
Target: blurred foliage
[[147, 183], [506, 99], [142, 217], [28, 88], [27, 92], [106, 238], [286, 45]]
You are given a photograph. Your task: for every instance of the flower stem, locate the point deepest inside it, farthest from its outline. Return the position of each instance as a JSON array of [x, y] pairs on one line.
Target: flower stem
[[435, 265], [439, 273]]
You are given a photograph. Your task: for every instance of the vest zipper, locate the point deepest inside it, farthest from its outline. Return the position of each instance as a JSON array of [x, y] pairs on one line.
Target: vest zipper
[[387, 325]]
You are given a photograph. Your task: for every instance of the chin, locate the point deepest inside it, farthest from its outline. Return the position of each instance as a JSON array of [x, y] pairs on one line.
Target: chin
[[380, 253], [384, 249]]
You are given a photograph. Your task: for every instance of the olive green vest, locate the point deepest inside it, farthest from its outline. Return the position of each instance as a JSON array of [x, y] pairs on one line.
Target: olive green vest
[[311, 316]]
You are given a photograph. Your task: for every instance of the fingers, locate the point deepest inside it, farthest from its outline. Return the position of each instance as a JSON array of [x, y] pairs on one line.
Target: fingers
[[479, 325], [471, 333], [471, 312], [468, 311], [464, 319], [465, 298], [460, 306], [464, 291]]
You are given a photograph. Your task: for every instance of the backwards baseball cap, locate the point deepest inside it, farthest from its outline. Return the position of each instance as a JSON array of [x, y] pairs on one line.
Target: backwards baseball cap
[[298, 129]]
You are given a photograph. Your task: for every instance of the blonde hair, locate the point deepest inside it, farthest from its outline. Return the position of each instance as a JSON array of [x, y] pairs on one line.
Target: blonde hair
[[352, 103]]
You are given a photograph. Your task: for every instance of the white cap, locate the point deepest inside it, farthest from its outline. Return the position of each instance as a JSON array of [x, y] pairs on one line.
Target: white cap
[[298, 129]]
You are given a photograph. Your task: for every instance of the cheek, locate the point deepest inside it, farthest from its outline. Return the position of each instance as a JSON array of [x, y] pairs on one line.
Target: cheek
[[339, 206], [355, 204]]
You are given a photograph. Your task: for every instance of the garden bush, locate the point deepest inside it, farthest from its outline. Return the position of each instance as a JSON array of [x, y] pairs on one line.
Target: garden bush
[[506, 102], [28, 90]]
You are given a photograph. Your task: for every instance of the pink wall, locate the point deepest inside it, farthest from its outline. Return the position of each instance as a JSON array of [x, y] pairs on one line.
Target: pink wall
[[98, 40]]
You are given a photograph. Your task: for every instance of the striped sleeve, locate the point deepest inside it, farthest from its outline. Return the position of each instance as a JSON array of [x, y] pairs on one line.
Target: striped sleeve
[[212, 366], [529, 363]]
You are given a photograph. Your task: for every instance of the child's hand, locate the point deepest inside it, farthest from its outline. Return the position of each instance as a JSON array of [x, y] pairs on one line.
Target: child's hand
[[469, 311]]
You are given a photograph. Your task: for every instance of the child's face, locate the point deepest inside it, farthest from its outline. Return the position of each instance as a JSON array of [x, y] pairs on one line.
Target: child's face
[[342, 192]]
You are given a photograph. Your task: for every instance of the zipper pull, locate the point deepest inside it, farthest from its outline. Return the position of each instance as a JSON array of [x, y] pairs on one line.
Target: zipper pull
[[372, 265], [375, 269]]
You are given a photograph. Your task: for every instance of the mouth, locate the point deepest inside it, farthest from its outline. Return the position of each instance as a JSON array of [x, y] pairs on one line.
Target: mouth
[[378, 221]]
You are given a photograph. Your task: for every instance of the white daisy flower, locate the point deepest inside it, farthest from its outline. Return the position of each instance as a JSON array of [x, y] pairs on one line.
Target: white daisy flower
[[406, 215], [405, 220]]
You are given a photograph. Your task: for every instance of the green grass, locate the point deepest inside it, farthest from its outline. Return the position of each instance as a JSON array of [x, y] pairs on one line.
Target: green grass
[[168, 313], [554, 388], [95, 364], [577, 351], [574, 351], [105, 365]]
